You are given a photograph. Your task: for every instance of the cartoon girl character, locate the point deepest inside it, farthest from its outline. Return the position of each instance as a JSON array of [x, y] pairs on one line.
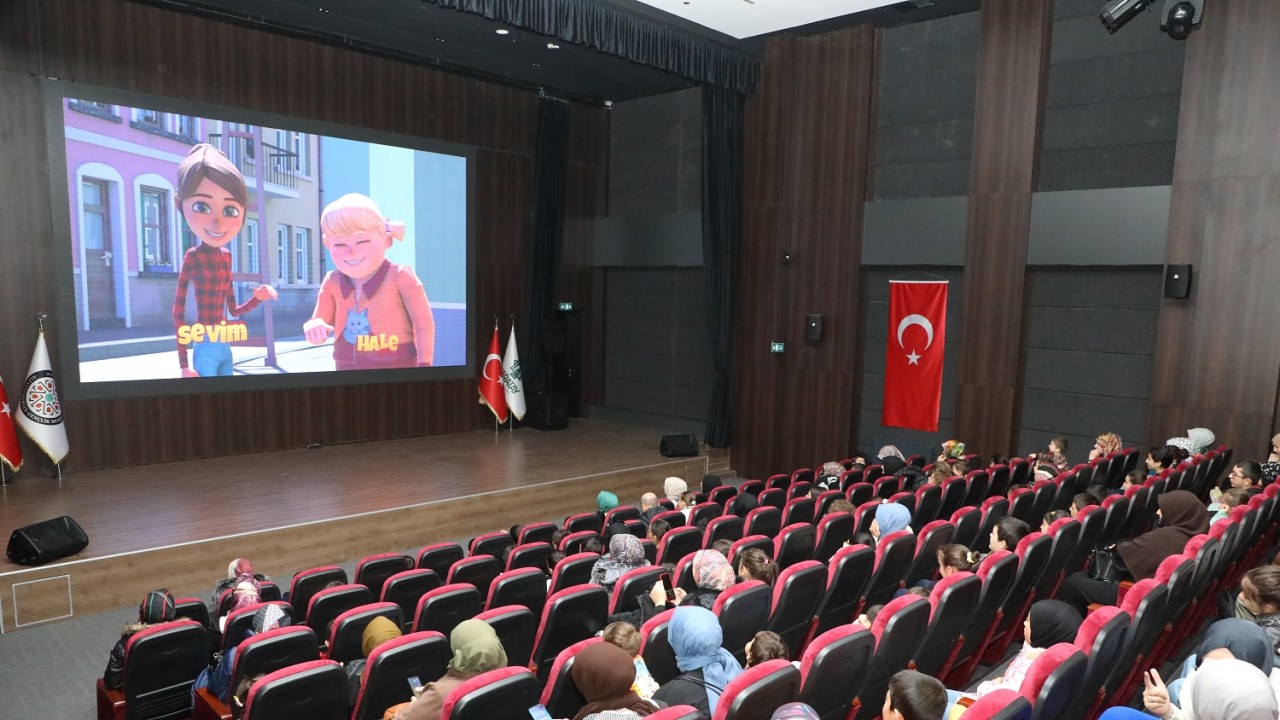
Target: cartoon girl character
[[385, 318], [212, 197]]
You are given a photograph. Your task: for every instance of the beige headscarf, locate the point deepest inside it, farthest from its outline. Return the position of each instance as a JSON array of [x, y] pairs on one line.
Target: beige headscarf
[[378, 631], [673, 488], [476, 648]]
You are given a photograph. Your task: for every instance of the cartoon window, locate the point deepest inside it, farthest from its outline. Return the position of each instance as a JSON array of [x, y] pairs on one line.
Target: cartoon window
[[249, 261], [301, 241], [154, 222], [282, 254], [97, 214]]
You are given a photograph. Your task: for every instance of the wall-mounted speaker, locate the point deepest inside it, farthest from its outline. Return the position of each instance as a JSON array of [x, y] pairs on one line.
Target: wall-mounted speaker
[[1177, 281], [813, 327]]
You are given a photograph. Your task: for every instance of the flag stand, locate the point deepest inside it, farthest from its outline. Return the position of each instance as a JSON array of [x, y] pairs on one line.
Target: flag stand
[[58, 468], [4, 479]]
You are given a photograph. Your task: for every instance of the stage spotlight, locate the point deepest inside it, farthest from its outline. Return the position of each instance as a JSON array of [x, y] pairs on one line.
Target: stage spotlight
[[1116, 13], [1180, 16]]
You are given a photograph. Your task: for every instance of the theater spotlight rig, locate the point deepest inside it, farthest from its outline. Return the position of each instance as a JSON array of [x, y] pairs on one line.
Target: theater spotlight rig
[[1177, 21]]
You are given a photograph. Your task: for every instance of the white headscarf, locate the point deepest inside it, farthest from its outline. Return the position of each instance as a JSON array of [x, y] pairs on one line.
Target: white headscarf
[[1232, 690], [1201, 438], [673, 488]]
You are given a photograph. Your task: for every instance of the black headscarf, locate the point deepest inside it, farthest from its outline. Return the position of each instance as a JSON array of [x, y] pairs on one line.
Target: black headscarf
[[744, 503], [891, 465], [1182, 516], [1246, 641], [710, 482], [1053, 622]]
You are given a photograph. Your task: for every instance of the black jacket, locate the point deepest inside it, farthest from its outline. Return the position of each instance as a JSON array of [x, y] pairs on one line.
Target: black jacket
[[687, 689]]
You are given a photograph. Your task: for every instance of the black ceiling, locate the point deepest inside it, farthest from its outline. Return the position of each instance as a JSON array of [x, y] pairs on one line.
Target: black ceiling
[[422, 32]]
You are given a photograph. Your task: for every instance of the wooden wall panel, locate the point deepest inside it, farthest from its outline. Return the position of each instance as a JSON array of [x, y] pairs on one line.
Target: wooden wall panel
[[1013, 58], [807, 157], [1218, 352], [116, 43]]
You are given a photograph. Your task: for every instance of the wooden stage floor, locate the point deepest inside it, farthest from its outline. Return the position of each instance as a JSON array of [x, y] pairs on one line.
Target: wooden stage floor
[[178, 525]]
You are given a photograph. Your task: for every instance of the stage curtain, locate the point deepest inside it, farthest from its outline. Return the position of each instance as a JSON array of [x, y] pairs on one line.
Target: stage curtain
[[722, 140], [550, 175], [594, 24]]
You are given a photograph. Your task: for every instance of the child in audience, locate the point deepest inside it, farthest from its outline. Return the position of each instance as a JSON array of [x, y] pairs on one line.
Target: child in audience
[[1259, 600], [1227, 501], [753, 564], [1134, 478], [1007, 533], [913, 695], [625, 636], [657, 529], [1051, 517], [1080, 502], [157, 607], [685, 506], [867, 618], [722, 546], [766, 646]]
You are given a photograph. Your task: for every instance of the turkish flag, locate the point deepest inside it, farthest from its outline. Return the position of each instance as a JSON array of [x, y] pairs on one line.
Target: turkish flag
[[491, 390], [913, 360], [10, 450]]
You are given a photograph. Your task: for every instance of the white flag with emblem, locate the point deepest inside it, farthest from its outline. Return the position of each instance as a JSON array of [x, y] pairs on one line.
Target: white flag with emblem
[[512, 384], [40, 415]]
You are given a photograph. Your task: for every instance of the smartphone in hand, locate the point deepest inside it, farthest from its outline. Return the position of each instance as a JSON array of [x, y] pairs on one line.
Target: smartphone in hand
[[538, 712], [667, 587]]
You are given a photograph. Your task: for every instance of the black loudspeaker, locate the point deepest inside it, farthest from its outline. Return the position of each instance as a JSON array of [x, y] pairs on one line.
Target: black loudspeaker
[[46, 541], [813, 328], [678, 445], [547, 411], [1177, 281]]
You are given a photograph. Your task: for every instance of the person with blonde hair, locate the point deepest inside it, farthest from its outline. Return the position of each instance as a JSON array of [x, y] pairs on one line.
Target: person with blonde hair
[[376, 310]]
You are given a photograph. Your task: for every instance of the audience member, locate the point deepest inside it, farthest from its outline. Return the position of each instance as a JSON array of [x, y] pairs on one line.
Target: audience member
[[913, 695], [1080, 502], [1228, 501], [891, 459], [766, 646], [1099, 492], [722, 546], [625, 636], [859, 459], [378, 631], [753, 564], [951, 450], [706, 668], [1181, 517], [1271, 468], [1057, 455], [1247, 475], [1224, 639], [840, 505], [997, 459], [685, 505], [603, 674], [912, 477], [657, 529], [1220, 689], [605, 501], [1104, 445], [1007, 533], [795, 711], [1259, 600], [673, 487], [626, 553], [954, 558], [940, 474], [1048, 623], [156, 608], [593, 545], [827, 479], [217, 678], [743, 503], [1132, 479], [476, 649], [868, 618], [238, 568], [710, 482], [1201, 440], [245, 594], [1050, 518], [890, 518], [649, 507], [1160, 459]]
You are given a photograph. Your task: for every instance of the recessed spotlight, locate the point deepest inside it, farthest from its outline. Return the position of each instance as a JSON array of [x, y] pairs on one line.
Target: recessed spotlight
[[552, 46], [503, 31]]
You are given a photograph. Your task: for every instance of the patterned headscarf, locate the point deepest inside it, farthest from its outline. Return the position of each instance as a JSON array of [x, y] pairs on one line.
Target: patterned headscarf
[[238, 567], [890, 451], [673, 488], [157, 607], [832, 468], [953, 449], [1184, 443], [269, 617], [1109, 443], [795, 711], [712, 571], [626, 553]]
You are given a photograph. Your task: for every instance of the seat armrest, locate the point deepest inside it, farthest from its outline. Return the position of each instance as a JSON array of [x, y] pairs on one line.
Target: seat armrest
[[209, 707], [110, 703]]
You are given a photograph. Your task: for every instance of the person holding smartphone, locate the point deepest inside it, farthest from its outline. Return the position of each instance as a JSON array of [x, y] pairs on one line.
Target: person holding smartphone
[[476, 649]]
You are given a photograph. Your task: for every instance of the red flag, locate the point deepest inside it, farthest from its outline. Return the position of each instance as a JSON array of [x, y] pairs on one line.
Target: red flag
[[913, 361], [10, 450], [492, 392]]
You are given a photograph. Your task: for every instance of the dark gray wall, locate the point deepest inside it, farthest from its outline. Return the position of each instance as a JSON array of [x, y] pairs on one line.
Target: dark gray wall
[[1090, 341], [875, 332], [655, 155], [1111, 115], [924, 116], [657, 345]]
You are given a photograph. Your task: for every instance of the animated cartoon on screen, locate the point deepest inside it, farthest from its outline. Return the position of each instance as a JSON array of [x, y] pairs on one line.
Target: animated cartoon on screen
[[376, 310], [212, 197]]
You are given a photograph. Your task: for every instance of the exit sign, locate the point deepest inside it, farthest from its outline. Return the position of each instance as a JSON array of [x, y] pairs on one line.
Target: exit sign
[[566, 306], [777, 347]]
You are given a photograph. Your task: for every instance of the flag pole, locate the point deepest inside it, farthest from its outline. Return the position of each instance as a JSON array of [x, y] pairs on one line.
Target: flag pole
[[511, 418], [497, 426]]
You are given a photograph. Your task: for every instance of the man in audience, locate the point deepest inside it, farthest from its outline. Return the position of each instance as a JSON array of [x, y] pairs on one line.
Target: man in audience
[[1247, 475], [657, 529], [914, 696], [649, 507]]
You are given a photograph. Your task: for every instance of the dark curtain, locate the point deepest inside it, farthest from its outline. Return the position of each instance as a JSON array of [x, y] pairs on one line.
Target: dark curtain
[[594, 24], [550, 175], [722, 134]]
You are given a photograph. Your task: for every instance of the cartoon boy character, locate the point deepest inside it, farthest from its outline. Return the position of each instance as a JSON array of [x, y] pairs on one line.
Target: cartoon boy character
[[379, 308], [212, 197]]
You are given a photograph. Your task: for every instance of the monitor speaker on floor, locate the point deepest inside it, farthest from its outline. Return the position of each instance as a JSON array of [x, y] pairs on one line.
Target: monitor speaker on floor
[[678, 445], [46, 541], [547, 411]]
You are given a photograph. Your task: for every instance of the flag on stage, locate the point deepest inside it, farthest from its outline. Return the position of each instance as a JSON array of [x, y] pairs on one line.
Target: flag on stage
[[491, 393], [40, 415], [512, 384], [913, 361], [10, 450]]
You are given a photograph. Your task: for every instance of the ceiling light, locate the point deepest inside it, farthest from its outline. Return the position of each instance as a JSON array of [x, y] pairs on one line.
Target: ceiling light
[[552, 46], [1116, 13], [502, 31]]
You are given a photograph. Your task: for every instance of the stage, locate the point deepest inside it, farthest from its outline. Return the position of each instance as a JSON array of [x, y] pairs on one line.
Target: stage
[[177, 525]]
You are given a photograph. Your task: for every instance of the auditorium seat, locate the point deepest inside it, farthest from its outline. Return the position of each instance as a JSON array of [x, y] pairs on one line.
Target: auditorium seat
[[993, 508], [373, 571], [637, 528], [633, 584], [893, 556], [774, 498], [1101, 637], [863, 515], [571, 543], [833, 531], [885, 487], [761, 542], [440, 557], [161, 663], [1033, 555], [1064, 533], [570, 615], [953, 494], [848, 575], [385, 681], [478, 570], [309, 582], [798, 510], [967, 521], [705, 512], [977, 482], [536, 555], [757, 691], [778, 481], [347, 629], [240, 622], [526, 587], [823, 503], [273, 650], [898, 630], [952, 602], [678, 542], [191, 608], [674, 518], [725, 527], [655, 648], [796, 595], [268, 590], [872, 473], [516, 628], [722, 495], [329, 604], [799, 490], [1117, 514], [751, 487], [503, 693], [998, 485], [793, 544], [1002, 704], [536, 533], [928, 504], [905, 499], [561, 696], [1022, 506], [860, 493], [743, 610], [572, 570], [444, 607], [583, 522], [682, 577], [1091, 520], [1019, 471], [493, 544], [1045, 493], [997, 572], [406, 588], [1053, 681], [928, 539], [315, 690], [621, 514], [832, 669]]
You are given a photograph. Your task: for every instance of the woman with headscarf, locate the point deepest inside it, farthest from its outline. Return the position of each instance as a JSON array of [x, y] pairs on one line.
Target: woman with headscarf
[[1048, 623], [713, 575], [1182, 517], [626, 553], [157, 607], [951, 450], [476, 649], [673, 488], [378, 631], [245, 593], [1222, 688], [217, 678], [604, 673], [1104, 445], [891, 459], [890, 517], [706, 668], [795, 711], [1230, 638]]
